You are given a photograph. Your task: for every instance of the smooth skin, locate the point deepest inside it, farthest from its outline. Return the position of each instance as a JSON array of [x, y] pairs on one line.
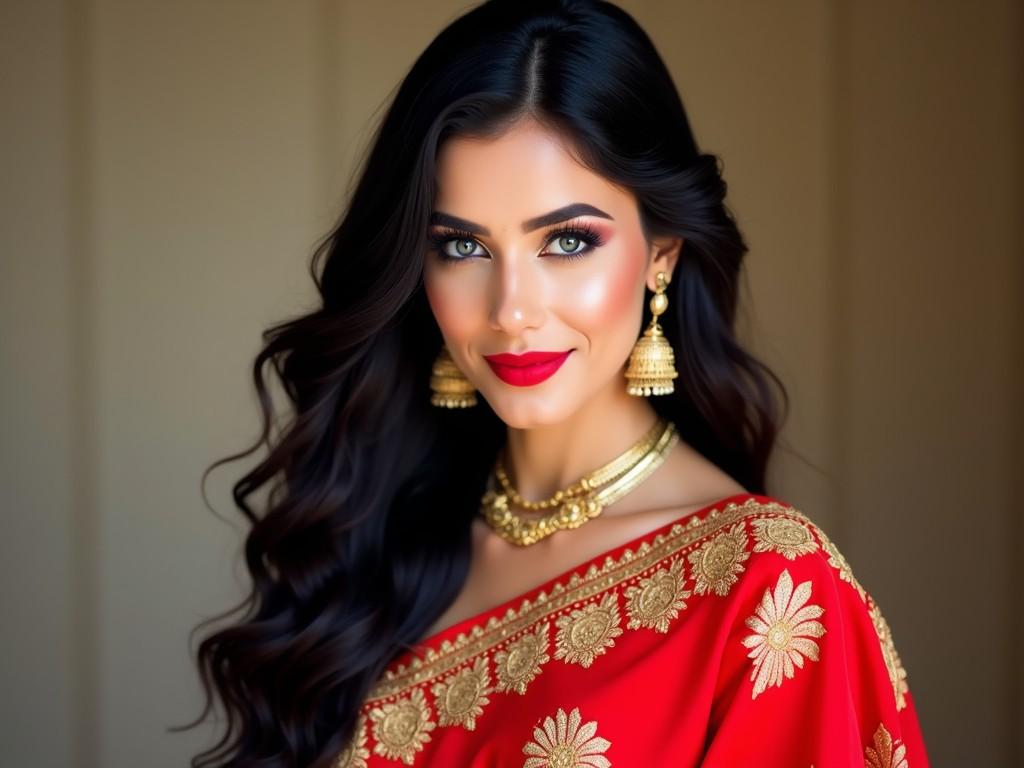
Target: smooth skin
[[513, 290]]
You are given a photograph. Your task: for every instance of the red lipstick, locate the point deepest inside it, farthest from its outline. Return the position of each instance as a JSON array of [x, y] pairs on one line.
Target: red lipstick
[[526, 369]]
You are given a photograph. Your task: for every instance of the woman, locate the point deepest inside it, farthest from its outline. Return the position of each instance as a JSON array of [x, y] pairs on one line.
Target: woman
[[519, 516]]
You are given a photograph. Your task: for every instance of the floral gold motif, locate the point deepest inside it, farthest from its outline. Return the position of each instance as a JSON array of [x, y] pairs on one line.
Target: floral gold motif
[[716, 564], [574, 588], [787, 537], [710, 548], [886, 752], [588, 632], [564, 743], [783, 626], [401, 728], [521, 662], [355, 754], [658, 599], [461, 697], [897, 674]]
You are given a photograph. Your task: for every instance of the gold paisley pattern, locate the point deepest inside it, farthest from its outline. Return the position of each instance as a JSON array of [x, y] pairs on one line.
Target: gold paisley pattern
[[563, 743], [897, 674], [401, 728], [784, 625], [521, 662], [716, 564], [588, 632], [460, 698], [657, 600], [355, 754], [885, 752], [787, 537]]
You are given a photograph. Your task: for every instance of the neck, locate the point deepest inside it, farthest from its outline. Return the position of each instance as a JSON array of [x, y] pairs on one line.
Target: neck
[[542, 460]]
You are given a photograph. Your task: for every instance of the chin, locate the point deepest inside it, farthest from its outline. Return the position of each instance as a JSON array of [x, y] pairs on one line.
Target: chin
[[529, 411]]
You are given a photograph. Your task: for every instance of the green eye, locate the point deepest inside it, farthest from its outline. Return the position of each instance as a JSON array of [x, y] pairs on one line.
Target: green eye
[[464, 247], [575, 240], [569, 244]]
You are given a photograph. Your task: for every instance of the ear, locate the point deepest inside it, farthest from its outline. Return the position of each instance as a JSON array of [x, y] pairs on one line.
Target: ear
[[664, 253]]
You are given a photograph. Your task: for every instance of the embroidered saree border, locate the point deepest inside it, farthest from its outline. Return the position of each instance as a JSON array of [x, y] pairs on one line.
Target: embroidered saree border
[[484, 637]]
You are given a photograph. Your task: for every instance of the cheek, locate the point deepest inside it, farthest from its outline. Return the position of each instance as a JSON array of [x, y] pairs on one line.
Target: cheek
[[451, 301], [608, 297]]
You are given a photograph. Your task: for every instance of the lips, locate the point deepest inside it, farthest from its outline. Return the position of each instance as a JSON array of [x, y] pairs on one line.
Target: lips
[[527, 369]]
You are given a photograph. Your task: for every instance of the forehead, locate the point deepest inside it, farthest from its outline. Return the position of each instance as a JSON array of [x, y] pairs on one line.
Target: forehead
[[526, 171]]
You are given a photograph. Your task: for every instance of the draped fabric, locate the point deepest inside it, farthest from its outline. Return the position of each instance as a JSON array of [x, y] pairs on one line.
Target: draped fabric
[[734, 636]]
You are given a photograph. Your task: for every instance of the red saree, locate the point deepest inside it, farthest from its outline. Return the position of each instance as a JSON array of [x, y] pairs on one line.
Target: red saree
[[735, 636]]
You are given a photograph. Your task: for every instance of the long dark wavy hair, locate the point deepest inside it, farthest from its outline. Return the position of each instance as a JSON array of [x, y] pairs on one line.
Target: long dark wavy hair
[[363, 538]]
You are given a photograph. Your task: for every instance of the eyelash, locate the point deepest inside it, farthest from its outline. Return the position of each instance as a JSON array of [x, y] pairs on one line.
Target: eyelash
[[580, 230]]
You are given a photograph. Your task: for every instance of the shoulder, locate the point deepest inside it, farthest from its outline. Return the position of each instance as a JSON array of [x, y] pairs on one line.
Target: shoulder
[[761, 539], [769, 536], [795, 633], [777, 568]]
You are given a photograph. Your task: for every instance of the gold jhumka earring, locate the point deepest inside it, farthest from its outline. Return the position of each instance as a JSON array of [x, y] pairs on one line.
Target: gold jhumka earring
[[651, 366], [449, 386]]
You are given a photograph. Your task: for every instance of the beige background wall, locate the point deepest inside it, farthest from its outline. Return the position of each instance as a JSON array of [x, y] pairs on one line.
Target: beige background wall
[[168, 167]]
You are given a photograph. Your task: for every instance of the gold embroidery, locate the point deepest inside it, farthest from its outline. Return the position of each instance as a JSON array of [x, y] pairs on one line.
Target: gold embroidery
[[588, 632], [564, 743], [486, 637], [897, 674], [787, 537], [717, 562], [783, 627], [658, 599], [402, 728], [521, 663], [837, 561], [460, 698], [885, 753], [355, 753]]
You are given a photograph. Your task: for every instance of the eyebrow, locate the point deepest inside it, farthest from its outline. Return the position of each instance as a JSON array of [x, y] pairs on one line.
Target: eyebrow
[[553, 217]]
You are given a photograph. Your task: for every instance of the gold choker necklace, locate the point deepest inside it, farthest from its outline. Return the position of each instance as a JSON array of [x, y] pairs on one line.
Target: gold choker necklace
[[581, 501]]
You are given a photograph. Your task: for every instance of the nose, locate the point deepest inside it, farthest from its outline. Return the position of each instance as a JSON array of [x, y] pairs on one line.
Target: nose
[[516, 298]]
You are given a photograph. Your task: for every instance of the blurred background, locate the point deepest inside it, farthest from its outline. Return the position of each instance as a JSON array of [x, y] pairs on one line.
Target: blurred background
[[168, 168]]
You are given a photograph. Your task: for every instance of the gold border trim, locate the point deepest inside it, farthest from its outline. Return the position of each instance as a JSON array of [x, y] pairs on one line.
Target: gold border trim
[[486, 636]]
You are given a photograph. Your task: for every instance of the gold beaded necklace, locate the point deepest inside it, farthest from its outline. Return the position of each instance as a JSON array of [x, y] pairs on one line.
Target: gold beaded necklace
[[581, 501]]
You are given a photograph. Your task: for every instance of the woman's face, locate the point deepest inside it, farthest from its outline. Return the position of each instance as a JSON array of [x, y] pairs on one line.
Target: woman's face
[[501, 278]]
